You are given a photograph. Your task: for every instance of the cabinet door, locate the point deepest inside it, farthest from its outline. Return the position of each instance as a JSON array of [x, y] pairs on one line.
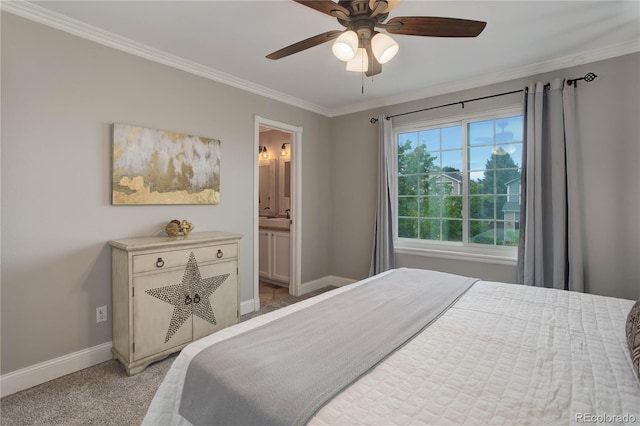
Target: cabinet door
[[264, 254], [161, 313], [281, 256], [220, 309]]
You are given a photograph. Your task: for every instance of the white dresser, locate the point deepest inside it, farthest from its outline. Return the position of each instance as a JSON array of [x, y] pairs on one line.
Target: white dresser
[[169, 291]]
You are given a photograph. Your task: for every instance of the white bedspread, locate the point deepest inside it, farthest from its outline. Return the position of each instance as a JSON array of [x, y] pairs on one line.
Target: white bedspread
[[504, 354]]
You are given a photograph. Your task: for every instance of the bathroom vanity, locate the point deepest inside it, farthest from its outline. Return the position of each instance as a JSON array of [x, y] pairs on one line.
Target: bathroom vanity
[[274, 244]]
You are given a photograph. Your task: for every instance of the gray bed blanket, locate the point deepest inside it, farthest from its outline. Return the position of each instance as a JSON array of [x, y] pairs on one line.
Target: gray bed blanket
[[281, 373]]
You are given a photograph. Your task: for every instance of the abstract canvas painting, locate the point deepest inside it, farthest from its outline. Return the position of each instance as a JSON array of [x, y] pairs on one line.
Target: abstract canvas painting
[[161, 167]]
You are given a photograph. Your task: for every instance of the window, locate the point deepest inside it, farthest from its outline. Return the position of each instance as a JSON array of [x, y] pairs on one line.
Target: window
[[458, 182]]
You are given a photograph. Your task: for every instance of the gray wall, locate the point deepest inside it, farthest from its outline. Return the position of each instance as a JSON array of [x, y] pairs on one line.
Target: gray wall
[[60, 95], [609, 129]]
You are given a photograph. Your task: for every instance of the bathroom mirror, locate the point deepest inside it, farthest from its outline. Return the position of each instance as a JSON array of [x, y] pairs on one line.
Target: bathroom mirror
[[267, 195], [284, 186]]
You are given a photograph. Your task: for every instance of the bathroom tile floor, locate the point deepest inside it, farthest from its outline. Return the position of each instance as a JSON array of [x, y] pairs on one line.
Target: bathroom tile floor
[[270, 293]]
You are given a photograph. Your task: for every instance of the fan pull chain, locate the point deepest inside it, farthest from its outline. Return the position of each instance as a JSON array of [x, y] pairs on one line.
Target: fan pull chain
[[362, 75]]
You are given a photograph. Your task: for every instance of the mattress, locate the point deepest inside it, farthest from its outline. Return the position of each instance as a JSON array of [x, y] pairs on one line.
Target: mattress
[[503, 354]]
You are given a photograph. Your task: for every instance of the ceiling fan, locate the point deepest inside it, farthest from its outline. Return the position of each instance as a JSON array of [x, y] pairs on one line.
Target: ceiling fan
[[360, 45]]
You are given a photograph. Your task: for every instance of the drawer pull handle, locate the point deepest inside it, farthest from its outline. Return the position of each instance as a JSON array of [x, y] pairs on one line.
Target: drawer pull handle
[[187, 300], [159, 262], [196, 298], [220, 254]]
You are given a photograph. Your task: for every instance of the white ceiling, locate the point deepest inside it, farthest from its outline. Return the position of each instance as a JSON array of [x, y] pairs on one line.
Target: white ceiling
[[227, 41]]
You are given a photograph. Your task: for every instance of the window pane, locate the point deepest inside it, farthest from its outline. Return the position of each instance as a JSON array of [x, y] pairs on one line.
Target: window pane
[[407, 228], [499, 233], [430, 207], [407, 185], [479, 157], [430, 229], [425, 185], [481, 232], [481, 133], [408, 164], [452, 137], [511, 232], [514, 150], [429, 184], [429, 162], [445, 185], [510, 212], [408, 206], [475, 182], [434, 160], [407, 142], [506, 178], [501, 159], [452, 160], [430, 139], [481, 207], [452, 230], [509, 129], [500, 202], [452, 207]]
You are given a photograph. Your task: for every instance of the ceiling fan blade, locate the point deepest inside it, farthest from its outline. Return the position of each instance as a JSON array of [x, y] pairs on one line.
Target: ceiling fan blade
[[326, 6], [304, 44], [434, 27]]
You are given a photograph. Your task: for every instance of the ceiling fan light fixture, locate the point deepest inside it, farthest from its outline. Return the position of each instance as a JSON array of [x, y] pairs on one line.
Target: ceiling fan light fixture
[[360, 62], [345, 46], [390, 4], [384, 47]]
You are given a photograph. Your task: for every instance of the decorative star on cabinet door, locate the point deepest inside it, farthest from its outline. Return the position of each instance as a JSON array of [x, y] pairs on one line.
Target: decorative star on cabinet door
[[190, 297]]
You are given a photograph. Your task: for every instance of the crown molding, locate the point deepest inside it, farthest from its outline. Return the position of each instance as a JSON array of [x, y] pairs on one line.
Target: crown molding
[[580, 58], [78, 28]]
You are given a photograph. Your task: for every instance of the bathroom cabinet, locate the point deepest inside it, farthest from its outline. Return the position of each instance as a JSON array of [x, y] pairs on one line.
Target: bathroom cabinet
[[274, 256]]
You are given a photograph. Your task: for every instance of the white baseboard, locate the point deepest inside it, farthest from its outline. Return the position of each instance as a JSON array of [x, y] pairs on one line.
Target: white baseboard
[[248, 306], [329, 280], [40, 373]]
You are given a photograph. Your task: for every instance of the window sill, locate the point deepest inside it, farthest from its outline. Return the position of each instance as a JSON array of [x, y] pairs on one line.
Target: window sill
[[497, 256]]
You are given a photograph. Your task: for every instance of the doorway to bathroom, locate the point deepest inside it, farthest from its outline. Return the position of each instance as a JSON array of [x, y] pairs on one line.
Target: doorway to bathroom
[[277, 211]]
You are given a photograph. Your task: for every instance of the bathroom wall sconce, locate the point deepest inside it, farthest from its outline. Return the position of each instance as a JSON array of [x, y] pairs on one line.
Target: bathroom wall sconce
[[283, 150], [262, 151]]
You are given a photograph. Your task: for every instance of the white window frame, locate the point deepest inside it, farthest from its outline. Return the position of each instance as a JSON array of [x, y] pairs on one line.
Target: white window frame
[[450, 249]]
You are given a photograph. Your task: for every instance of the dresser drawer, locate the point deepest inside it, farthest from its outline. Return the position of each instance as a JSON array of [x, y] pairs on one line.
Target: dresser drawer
[[179, 258]]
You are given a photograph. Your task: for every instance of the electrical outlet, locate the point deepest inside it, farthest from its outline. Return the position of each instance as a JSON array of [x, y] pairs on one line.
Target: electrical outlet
[[101, 314]]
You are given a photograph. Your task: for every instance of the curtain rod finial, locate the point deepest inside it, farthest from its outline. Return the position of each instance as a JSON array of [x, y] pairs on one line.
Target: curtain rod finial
[[373, 120], [588, 77]]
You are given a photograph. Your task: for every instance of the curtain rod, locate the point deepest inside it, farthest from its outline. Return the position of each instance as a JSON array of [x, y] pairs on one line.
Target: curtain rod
[[588, 78]]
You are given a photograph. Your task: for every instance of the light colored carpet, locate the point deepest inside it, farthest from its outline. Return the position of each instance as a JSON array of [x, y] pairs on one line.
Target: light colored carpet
[[102, 394]]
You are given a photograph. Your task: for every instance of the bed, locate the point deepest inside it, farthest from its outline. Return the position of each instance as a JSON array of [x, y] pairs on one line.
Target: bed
[[497, 354]]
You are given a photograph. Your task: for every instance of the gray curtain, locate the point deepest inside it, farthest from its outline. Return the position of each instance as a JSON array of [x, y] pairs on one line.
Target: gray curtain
[[550, 250], [382, 257]]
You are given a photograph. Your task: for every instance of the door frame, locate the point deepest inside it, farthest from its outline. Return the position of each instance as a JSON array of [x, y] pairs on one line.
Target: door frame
[[296, 204]]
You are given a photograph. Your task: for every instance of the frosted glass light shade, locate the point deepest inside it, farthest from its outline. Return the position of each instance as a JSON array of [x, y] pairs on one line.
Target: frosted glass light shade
[[345, 46], [384, 47], [360, 62]]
